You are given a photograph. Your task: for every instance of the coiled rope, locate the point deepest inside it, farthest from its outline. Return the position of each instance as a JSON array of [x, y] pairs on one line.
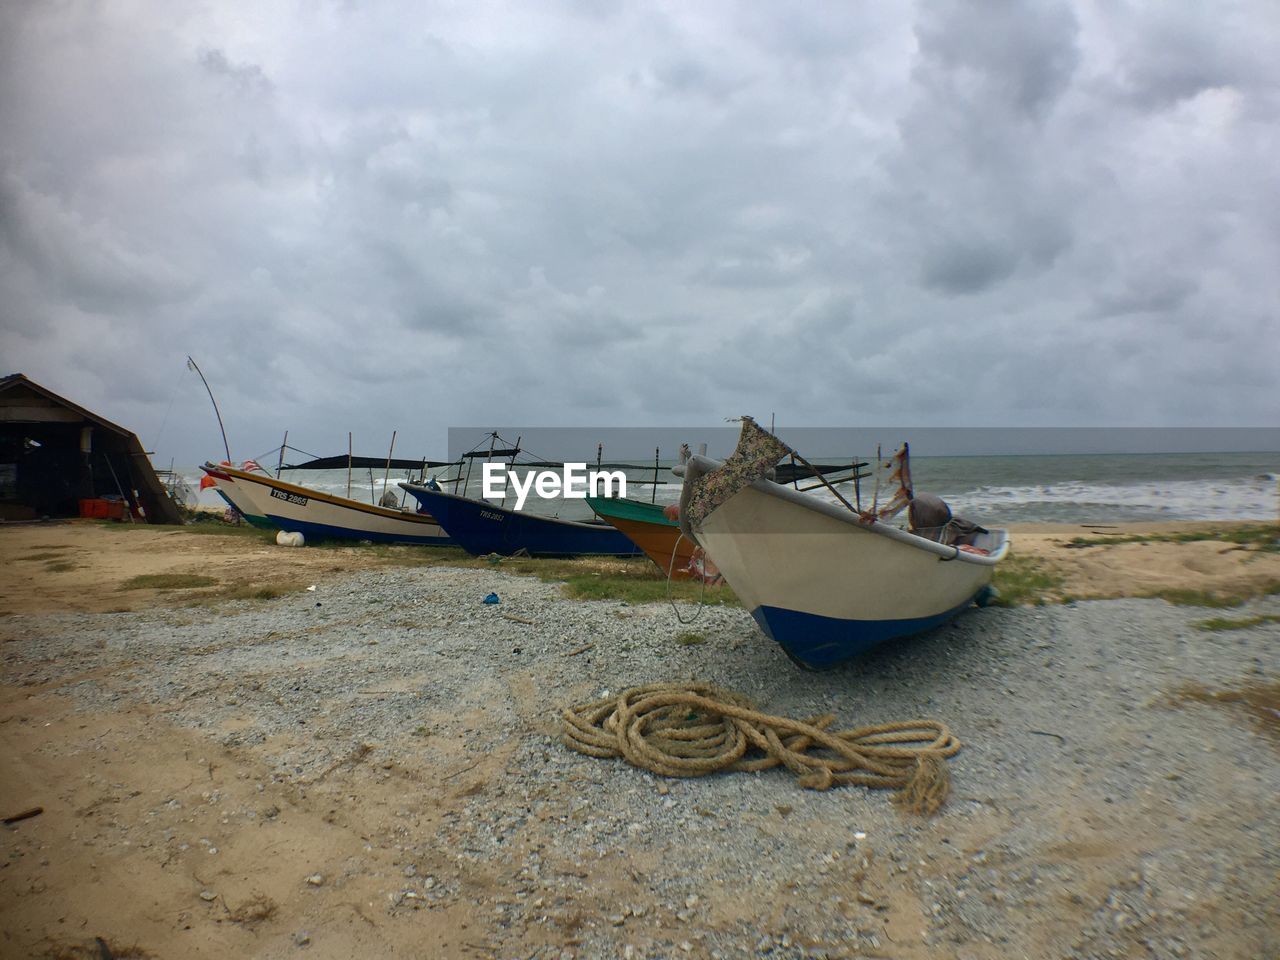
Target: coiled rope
[[693, 729]]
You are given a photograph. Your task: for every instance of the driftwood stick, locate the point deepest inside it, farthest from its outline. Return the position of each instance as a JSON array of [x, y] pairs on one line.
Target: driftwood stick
[[24, 815]]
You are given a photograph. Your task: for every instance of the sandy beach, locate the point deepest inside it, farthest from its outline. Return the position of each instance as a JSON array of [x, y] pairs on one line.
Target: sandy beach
[[339, 751]]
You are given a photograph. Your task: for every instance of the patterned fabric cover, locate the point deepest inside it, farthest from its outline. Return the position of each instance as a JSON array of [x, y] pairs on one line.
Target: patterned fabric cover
[[757, 452]]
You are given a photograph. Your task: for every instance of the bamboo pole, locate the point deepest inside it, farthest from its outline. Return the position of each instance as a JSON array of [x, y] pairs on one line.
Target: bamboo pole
[[875, 495], [387, 473], [348, 464], [225, 446], [283, 443]]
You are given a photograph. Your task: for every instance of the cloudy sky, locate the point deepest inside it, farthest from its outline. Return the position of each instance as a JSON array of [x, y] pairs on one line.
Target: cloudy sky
[[410, 216]]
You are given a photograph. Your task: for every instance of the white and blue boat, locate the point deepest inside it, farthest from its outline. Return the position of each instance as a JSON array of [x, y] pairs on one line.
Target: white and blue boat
[[823, 580], [323, 516]]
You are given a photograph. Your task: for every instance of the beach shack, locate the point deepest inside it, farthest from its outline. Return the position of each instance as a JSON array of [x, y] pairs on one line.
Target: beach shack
[[58, 459]]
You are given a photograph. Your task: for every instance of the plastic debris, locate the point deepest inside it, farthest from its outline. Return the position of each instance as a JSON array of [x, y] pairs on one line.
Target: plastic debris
[[491, 598]]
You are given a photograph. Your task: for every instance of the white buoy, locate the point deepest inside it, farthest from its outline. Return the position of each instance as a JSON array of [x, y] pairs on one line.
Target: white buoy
[[287, 539]]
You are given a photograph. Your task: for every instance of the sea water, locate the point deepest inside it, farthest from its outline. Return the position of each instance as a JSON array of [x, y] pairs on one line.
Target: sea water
[[1080, 488]]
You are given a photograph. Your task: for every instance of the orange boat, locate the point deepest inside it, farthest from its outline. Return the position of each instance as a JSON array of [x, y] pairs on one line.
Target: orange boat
[[650, 529]]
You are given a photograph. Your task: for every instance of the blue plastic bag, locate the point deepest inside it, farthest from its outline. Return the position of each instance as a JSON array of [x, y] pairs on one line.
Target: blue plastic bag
[[491, 598]]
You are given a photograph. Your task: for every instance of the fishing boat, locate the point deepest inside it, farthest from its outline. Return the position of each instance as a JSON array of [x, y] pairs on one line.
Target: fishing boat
[[322, 516], [827, 580], [482, 528], [649, 528]]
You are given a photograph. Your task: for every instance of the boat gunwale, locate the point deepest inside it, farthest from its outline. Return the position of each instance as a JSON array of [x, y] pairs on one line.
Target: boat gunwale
[[844, 515], [607, 515]]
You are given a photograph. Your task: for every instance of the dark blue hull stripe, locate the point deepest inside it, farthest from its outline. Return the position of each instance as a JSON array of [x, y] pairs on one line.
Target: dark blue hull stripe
[[323, 531], [816, 641]]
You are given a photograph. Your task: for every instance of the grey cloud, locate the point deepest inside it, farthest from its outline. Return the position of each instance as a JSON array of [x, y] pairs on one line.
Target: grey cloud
[[1170, 53], [1145, 294], [638, 212], [89, 264], [973, 186], [1006, 54], [247, 79], [966, 266]]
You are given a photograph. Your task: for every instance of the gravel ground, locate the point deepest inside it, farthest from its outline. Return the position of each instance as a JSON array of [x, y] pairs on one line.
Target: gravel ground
[[1094, 813]]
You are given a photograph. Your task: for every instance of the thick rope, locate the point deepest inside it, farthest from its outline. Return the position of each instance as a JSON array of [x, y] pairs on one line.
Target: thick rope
[[690, 730]]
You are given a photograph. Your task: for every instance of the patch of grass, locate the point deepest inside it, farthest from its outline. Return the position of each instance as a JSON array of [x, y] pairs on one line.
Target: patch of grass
[[1184, 597], [214, 528], [244, 531], [1208, 598], [61, 566], [690, 639], [1263, 537], [395, 555], [1259, 700], [1026, 580], [1226, 623], [167, 581], [255, 591]]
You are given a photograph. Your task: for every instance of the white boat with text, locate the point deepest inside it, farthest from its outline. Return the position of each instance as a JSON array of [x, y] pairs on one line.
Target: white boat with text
[[324, 516]]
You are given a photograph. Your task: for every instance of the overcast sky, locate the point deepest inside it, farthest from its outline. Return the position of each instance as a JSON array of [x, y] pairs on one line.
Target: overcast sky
[[406, 216]]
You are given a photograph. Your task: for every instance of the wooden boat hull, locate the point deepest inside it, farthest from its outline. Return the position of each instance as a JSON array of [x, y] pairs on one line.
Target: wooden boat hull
[[322, 516], [648, 528], [481, 528], [826, 587]]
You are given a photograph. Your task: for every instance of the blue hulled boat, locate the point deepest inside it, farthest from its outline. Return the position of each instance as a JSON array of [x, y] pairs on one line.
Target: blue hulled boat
[[482, 528]]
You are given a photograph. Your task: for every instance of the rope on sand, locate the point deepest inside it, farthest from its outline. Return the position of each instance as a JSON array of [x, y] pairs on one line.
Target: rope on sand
[[692, 729]]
